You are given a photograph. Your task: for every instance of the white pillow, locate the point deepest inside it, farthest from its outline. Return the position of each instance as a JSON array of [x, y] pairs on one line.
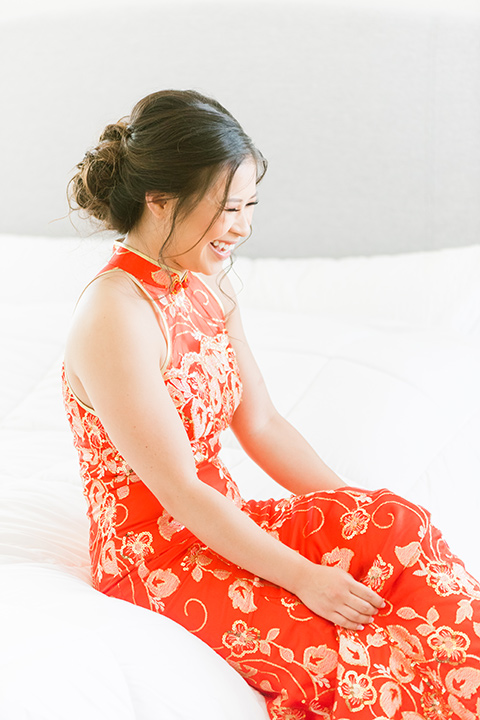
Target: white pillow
[[437, 288], [70, 652]]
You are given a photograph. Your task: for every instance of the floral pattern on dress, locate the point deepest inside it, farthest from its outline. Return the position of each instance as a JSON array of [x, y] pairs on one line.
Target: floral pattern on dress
[[420, 657]]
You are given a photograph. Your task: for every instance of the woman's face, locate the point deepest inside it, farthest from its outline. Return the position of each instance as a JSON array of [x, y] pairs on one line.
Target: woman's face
[[184, 250]]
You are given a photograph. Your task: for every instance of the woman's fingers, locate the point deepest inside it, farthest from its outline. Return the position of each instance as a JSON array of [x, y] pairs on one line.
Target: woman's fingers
[[371, 597], [358, 617], [336, 596], [352, 619], [362, 607], [348, 610], [359, 607], [344, 622]]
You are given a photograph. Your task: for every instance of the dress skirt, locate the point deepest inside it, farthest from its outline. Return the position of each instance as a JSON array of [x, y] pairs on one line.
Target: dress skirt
[[418, 660]]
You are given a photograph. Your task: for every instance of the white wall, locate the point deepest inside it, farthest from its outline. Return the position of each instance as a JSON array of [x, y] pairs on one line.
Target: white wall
[[368, 110], [17, 9]]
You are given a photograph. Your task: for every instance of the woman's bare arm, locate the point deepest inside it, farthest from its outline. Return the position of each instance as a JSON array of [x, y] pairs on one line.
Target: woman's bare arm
[[267, 437], [117, 360]]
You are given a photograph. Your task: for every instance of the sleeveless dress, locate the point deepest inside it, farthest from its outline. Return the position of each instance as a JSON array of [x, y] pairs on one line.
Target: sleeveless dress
[[418, 660]]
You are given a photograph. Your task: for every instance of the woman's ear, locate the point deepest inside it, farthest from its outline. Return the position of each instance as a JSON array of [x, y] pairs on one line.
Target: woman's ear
[[157, 203]]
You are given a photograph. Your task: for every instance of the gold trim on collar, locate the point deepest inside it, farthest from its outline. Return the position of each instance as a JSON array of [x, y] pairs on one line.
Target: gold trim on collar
[[120, 244]]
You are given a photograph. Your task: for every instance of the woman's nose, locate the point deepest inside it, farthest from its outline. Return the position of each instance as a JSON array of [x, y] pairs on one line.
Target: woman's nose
[[242, 224]]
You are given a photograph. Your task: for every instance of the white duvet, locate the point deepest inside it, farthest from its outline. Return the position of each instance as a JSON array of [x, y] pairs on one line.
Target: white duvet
[[376, 360]]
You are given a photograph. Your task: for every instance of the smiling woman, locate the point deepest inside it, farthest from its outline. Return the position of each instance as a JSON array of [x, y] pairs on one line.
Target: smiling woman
[[210, 231], [176, 145], [328, 602]]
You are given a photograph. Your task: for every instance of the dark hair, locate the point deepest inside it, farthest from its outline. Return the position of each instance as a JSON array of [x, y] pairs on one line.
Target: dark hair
[[175, 142]]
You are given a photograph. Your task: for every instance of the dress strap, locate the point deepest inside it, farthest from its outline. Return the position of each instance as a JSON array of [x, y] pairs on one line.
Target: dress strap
[[158, 312]]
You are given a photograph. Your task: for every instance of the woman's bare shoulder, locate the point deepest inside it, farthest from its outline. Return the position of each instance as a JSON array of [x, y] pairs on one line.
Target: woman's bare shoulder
[[112, 314], [109, 298], [109, 287]]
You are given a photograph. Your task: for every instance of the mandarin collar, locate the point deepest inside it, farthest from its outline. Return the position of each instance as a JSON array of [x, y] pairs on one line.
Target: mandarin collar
[[151, 271]]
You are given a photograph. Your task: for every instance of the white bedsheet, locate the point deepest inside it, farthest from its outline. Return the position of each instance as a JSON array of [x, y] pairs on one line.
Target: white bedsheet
[[374, 359]]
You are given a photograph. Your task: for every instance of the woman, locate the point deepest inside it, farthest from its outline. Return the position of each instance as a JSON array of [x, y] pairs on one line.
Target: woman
[[332, 602]]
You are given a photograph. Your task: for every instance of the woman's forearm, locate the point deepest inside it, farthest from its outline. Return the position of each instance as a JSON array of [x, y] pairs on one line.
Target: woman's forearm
[[284, 454], [327, 591], [224, 528]]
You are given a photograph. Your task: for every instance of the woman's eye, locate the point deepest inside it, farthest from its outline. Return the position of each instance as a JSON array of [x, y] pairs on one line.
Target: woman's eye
[[238, 209]]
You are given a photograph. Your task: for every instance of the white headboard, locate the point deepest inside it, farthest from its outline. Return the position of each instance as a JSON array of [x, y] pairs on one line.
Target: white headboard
[[368, 112]]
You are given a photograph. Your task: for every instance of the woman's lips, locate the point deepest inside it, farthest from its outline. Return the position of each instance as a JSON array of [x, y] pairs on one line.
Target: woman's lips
[[223, 250]]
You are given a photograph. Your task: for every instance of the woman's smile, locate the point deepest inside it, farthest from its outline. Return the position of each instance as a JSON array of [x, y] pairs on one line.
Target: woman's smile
[[186, 250], [198, 242], [222, 248]]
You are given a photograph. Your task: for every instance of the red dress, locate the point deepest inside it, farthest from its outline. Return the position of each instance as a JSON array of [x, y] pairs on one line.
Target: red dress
[[419, 659]]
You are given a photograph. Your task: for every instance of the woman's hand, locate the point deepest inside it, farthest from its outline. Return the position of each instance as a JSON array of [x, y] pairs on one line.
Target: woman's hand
[[334, 595]]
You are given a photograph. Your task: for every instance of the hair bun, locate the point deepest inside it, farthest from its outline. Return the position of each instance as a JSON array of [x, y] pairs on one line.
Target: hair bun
[[99, 172], [117, 132]]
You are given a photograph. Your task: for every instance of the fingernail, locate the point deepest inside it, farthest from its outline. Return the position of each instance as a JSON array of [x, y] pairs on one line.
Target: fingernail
[[360, 627]]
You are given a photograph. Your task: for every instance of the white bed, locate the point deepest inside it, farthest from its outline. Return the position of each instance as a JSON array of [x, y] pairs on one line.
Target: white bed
[[369, 339], [384, 383]]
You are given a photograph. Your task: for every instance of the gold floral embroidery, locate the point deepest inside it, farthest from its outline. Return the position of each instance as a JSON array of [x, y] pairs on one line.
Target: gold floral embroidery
[[463, 682], [378, 574], [196, 561], [159, 584], [351, 649], [357, 690], [434, 707], [319, 660], [449, 645], [354, 523], [241, 640], [135, 547], [108, 561], [286, 713], [409, 644], [442, 579], [167, 526], [338, 557], [241, 594], [390, 698]]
